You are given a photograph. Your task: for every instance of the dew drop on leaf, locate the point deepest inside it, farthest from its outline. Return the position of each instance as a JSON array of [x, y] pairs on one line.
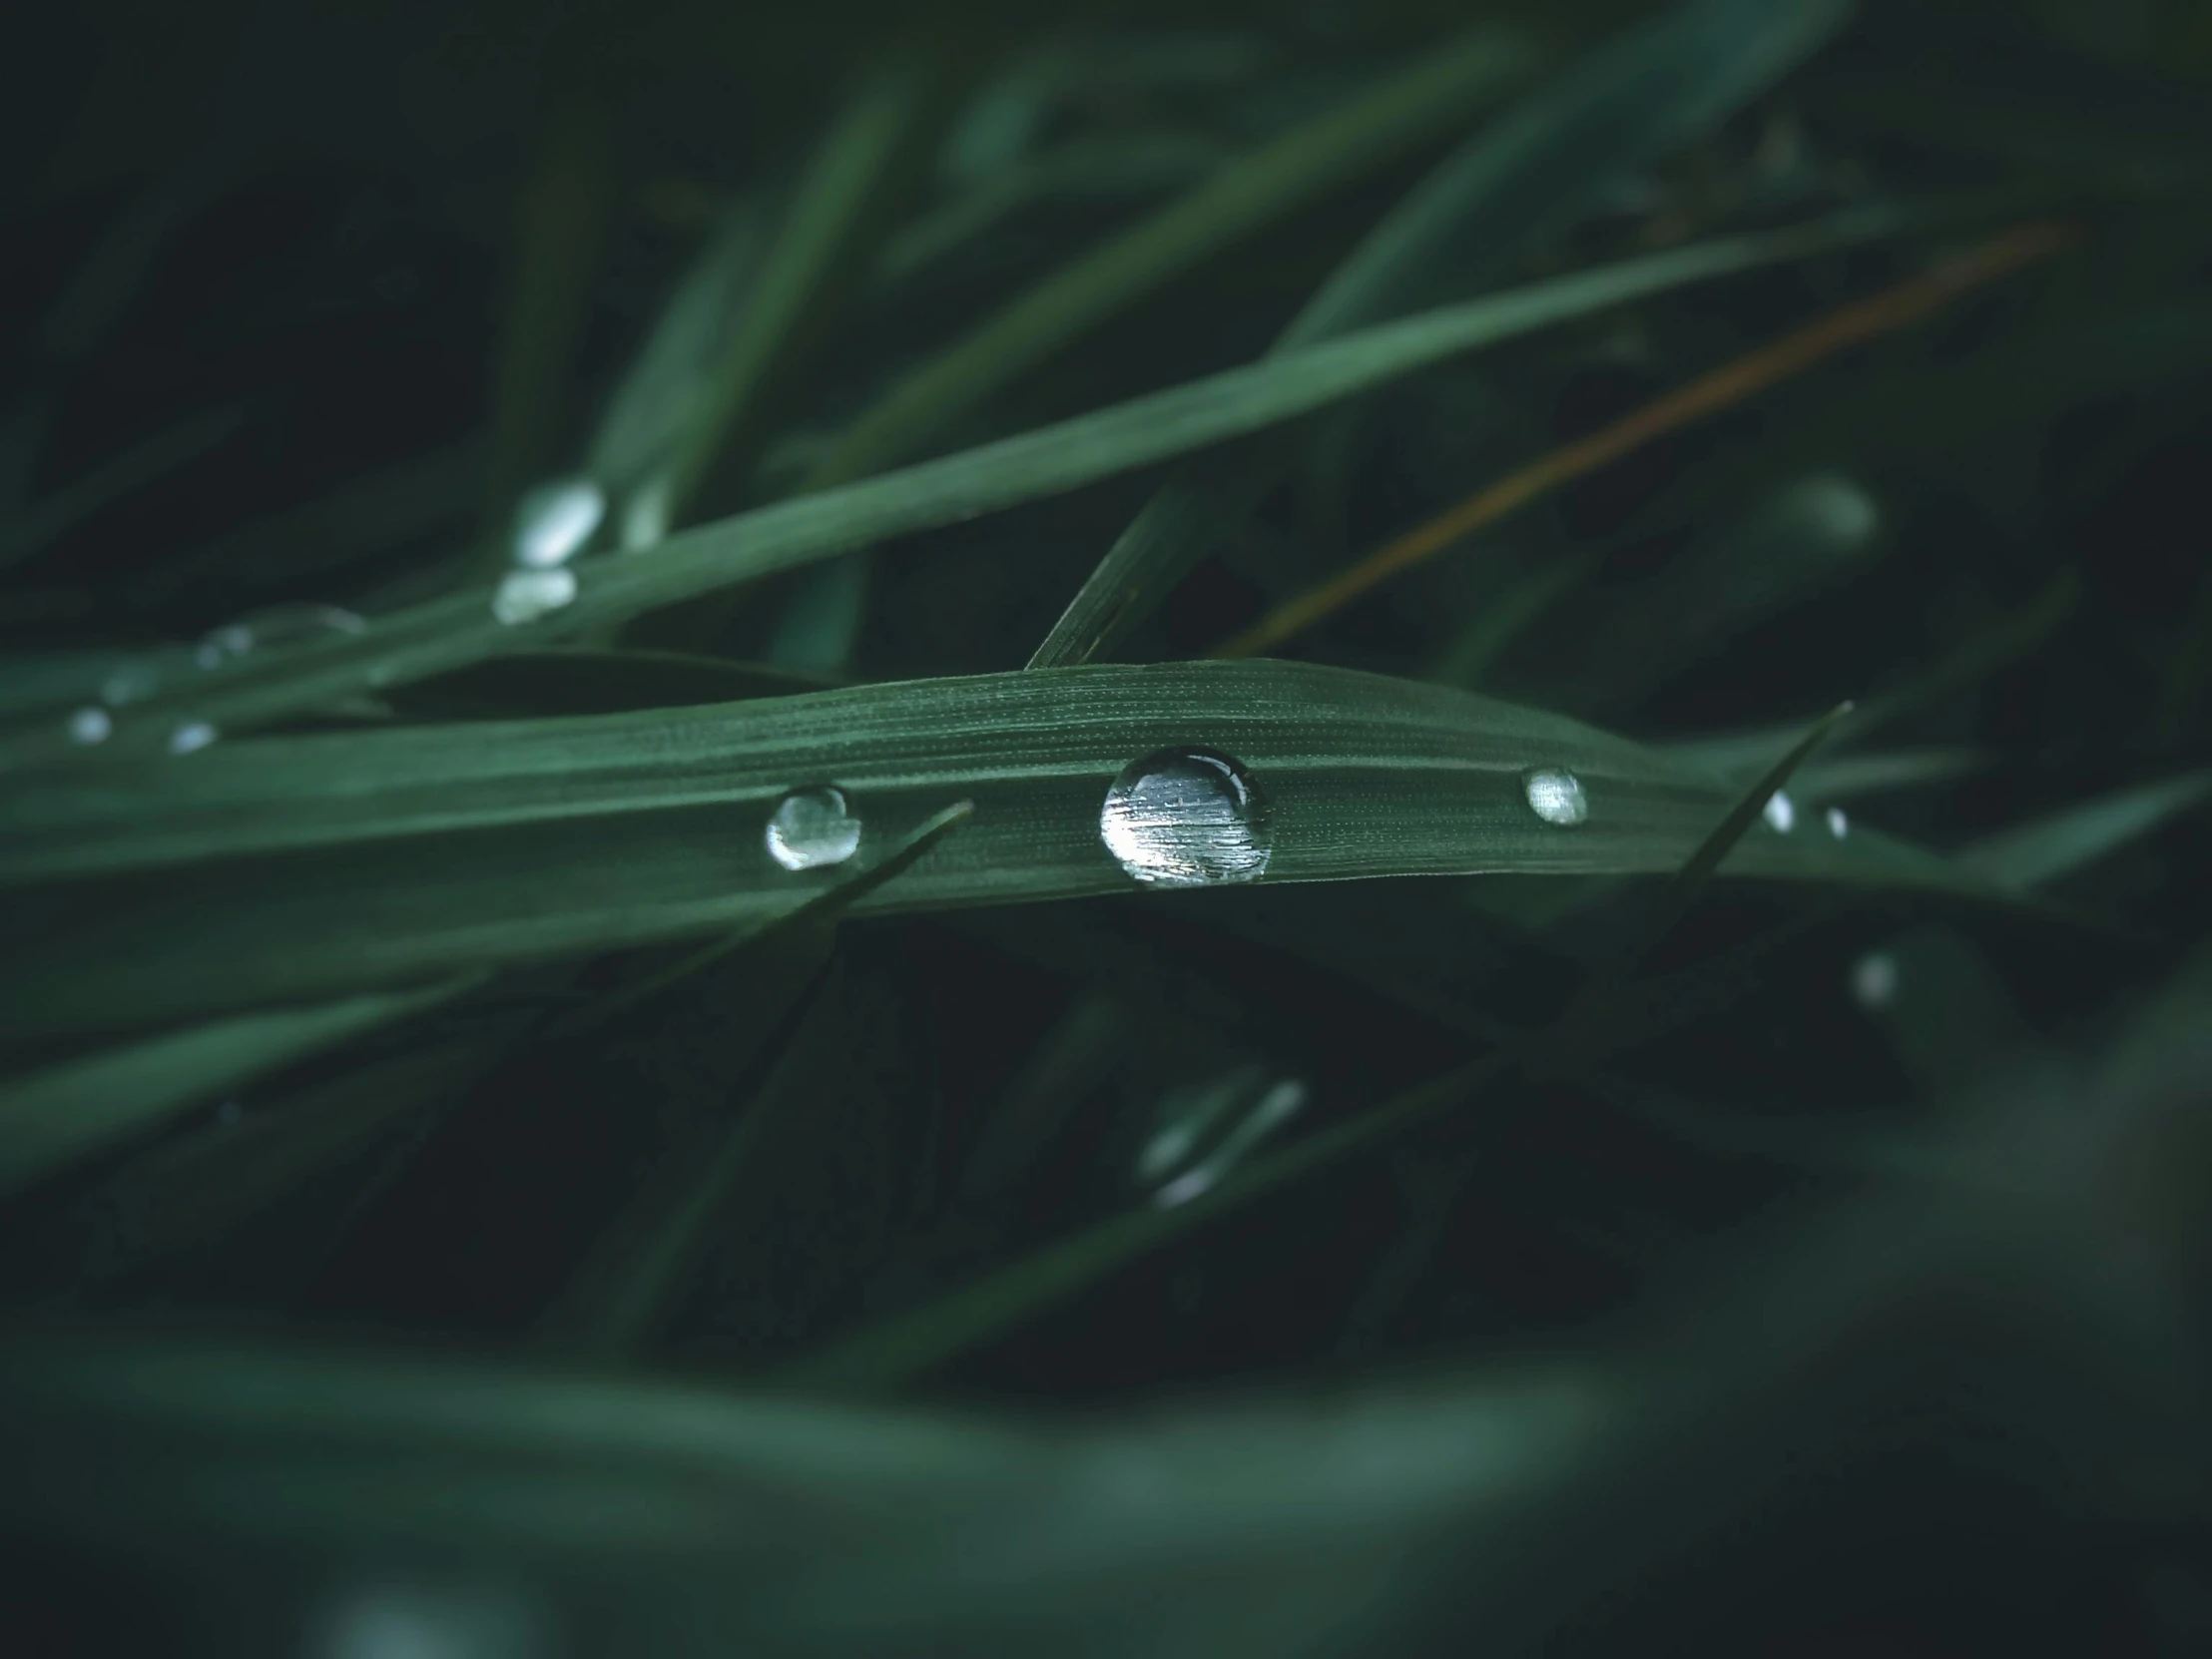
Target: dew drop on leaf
[[190, 736], [90, 725], [1873, 979], [555, 520], [1187, 818], [526, 595], [1781, 812], [1839, 824], [813, 828], [275, 628], [1556, 795]]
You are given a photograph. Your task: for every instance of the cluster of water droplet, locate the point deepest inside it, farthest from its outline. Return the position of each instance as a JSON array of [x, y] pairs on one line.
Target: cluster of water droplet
[[553, 523], [1781, 815]]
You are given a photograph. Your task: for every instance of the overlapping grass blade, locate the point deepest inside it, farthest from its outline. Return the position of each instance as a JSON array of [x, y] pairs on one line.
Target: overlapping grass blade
[[1541, 163], [70, 1110], [2032, 853], [328, 862], [447, 633]]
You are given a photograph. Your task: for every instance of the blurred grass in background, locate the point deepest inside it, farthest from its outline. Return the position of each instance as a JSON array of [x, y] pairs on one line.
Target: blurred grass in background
[[605, 612]]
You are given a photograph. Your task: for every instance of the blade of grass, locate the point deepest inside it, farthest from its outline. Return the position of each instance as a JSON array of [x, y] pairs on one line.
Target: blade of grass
[[348, 859], [1541, 163], [71, 1110], [447, 633], [1895, 308], [2034, 853], [1406, 109]]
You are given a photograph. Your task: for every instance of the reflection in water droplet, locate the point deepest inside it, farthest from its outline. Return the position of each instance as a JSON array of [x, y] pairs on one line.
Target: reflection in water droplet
[[1187, 818], [645, 516], [526, 595], [273, 629], [91, 724], [1275, 1108], [811, 828], [192, 734], [1837, 825], [1781, 812], [554, 522], [1556, 796], [1873, 979]]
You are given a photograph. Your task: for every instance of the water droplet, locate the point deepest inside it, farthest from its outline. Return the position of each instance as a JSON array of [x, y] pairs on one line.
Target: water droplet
[[1838, 509], [526, 595], [1187, 818], [554, 522], [1873, 979], [129, 682], [1839, 824], [1556, 795], [1274, 1109], [190, 736], [1781, 812], [645, 516], [273, 629], [91, 724], [434, 1620], [811, 828]]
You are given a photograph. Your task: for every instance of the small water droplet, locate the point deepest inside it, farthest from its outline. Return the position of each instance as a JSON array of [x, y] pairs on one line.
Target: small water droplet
[[190, 736], [90, 725], [812, 829], [555, 520], [274, 628], [1873, 979], [1187, 818], [1277, 1107], [1838, 509], [1556, 795], [129, 682], [1839, 824], [526, 595], [645, 516], [1781, 812]]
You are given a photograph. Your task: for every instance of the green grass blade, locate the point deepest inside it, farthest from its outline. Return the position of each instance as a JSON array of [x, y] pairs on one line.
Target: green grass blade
[[1541, 163], [447, 633], [1433, 97], [335, 861], [71, 1110], [2048, 848]]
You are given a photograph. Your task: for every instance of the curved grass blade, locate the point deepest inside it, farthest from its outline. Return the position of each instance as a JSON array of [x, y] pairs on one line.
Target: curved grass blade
[[72, 1110], [573, 682], [336, 862], [1539, 165], [447, 633]]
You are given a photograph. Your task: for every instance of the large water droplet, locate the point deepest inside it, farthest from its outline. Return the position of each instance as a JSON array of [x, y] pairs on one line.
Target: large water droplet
[[1187, 818], [91, 724], [554, 522], [1873, 979], [1556, 795], [273, 629], [813, 828], [1839, 824], [526, 595], [190, 736], [1781, 812]]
